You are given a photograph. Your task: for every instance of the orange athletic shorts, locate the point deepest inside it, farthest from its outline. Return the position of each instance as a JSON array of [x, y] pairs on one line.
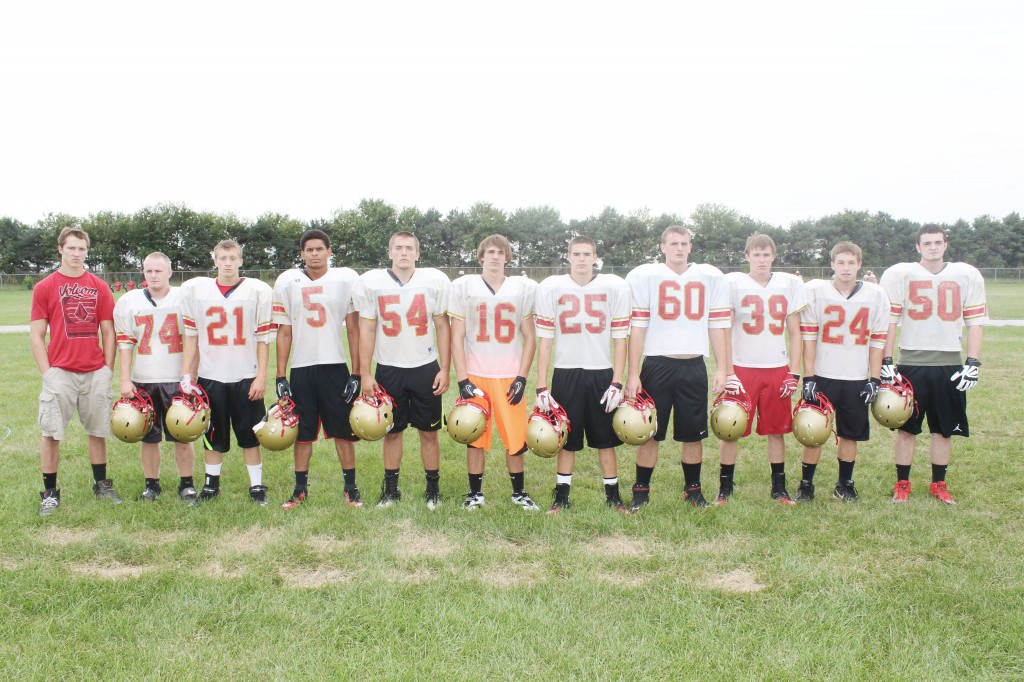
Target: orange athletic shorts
[[511, 419]]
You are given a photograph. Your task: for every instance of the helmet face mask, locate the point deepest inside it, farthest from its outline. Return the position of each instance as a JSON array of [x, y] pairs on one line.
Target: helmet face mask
[[372, 416], [467, 421], [547, 432], [188, 417], [132, 418], [812, 424], [636, 420], [280, 426], [730, 415], [894, 404]]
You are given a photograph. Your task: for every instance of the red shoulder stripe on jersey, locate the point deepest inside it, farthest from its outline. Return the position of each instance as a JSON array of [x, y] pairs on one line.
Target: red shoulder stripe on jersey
[[720, 315], [807, 328], [620, 324], [279, 308], [641, 314], [126, 338], [545, 323], [188, 322], [264, 328], [896, 310], [977, 311]]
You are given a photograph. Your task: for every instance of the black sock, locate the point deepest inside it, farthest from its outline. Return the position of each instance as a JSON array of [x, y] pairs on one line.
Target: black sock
[[301, 479], [691, 473], [902, 472], [476, 483], [152, 482], [939, 472], [807, 471], [50, 481], [433, 477], [643, 476], [611, 491], [517, 482], [212, 481], [99, 472], [350, 477], [778, 469], [727, 471], [186, 482], [845, 471]]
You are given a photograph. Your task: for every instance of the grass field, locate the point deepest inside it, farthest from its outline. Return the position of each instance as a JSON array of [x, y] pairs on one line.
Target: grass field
[[751, 591]]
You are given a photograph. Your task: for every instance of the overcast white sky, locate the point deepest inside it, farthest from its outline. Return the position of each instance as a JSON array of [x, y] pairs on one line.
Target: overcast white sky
[[781, 110]]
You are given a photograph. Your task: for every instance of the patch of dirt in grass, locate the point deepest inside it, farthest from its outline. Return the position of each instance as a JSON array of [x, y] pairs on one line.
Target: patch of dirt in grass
[[109, 571], [250, 540], [417, 576], [413, 544], [616, 546], [512, 574], [311, 579], [622, 579], [325, 543], [738, 580], [61, 537], [215, 569], [9, 564]]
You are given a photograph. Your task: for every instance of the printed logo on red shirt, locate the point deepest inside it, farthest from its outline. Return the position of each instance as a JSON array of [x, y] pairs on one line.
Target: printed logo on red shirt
[[79, 303]]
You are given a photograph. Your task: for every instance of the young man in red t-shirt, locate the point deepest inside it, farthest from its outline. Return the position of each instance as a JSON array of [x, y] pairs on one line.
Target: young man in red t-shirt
[[78, 309]]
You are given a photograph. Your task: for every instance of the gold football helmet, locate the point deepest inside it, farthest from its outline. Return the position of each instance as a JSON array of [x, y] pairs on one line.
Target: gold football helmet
[[894, 404], [188, 417], [468, 420], [812, 424], [132, 418], [546, 432], [372, 416], [280, 426], [636, 421], [730, 415]]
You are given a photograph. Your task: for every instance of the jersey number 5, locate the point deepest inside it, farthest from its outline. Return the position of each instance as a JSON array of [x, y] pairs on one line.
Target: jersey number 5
[[416, 316], [595, 315], [947, 301]]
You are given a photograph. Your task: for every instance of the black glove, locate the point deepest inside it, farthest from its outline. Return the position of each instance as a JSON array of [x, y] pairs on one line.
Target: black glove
[[516, 390], [870, 391], [467, 389], [810, 393], [351, 390], [283, 389]]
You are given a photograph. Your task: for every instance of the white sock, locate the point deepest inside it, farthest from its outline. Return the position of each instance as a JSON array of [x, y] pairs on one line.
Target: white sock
[[611, 481], [563, 478], [255, 474], [213, 469]]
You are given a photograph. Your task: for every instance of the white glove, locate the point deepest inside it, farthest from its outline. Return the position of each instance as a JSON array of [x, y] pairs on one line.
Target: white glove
[[544, 402], [789, 385], [968, 375], [889, 374], [733, 386], [612, 397], [186, 385]]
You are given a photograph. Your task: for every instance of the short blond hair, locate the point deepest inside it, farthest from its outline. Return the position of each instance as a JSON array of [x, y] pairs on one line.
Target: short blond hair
[[72, 231], [847, 247], [497, 241], [406, 234], [759, 241], [227, 245], [681, 230]]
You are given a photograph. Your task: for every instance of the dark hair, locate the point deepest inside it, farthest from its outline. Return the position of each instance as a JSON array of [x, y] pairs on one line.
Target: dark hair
[[931, 228], [314, 234]]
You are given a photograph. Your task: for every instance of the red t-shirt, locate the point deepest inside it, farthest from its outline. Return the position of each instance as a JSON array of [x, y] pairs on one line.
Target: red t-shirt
[[74, 308]]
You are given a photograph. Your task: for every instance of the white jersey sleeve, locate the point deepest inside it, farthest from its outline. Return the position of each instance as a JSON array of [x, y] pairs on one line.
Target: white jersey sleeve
[[494, 341], [583, 320], [315, 310], [404, 314], [152, 328], [932, 309], [229, 326], [844, 328], [759, 332], [678, 309]]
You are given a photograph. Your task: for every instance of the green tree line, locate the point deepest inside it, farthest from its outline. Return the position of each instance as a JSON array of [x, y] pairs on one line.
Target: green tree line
[[539, 236]]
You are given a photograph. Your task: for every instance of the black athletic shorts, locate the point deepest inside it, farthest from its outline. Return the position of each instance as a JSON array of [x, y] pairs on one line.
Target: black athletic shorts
[[412, 389], [579, 393], [937, 399], [851, 419], [161, 395], [230, 408], [317, 391], [679, 386]]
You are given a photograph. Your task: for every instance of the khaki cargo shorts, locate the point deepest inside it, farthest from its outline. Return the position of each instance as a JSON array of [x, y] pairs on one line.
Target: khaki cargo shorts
[[91, 394]]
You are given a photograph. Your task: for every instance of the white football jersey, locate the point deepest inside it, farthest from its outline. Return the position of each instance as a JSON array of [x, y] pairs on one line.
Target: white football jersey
[[228, 327], [494, 344], [844, 328], [583, 319], [404, 314], [678, 310], [759, 317], [153, 328], [315, 310], [933, 309]]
